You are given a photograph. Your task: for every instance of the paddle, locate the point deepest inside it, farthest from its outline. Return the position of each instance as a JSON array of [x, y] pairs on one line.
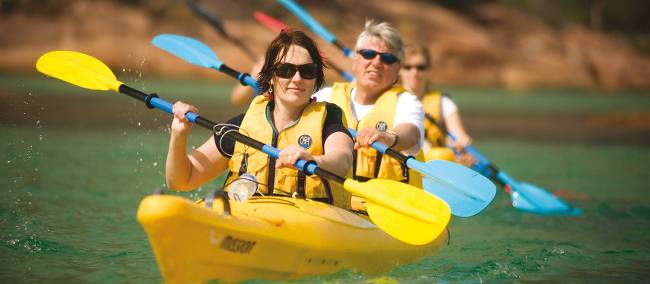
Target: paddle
[[314, 26], [466, 191], [214, 21], [402, 211], [197, 53], [524, 196], [276, 25]]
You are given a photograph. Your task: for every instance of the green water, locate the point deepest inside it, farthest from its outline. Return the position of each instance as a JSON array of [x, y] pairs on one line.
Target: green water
[[70, 195]]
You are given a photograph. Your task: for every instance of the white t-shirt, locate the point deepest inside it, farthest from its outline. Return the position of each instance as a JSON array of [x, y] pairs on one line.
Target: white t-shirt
[[448, 106], [408, 110]]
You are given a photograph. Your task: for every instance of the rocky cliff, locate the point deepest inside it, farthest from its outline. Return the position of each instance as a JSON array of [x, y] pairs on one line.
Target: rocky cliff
[[495, 46]]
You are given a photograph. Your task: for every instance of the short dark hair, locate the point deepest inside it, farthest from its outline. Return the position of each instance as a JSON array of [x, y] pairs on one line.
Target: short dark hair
[[277, 51]]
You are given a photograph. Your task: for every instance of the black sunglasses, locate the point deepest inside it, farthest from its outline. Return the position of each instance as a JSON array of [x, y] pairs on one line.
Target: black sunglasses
[[287, 70], [418, 67], [385, 57]]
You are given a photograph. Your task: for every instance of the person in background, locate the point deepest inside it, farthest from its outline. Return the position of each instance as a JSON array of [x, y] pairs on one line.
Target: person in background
[[243, 95], [285, 117], [377, 108], [441, 113]]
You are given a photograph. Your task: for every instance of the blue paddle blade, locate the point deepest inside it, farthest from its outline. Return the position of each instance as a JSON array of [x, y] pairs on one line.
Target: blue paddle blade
[[188, 49], [466, 191], [529, 197]]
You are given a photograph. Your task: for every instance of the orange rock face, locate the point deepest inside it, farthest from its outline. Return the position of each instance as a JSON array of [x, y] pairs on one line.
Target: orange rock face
[[495, 46]]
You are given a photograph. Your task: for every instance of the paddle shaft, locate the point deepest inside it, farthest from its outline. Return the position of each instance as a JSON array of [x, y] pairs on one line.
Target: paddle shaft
[[214, 21], [313, 25], [277, 26], [153, 101], [243, 78]]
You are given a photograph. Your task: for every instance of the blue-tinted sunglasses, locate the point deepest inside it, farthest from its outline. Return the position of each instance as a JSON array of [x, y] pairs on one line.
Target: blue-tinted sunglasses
[[385, 57]]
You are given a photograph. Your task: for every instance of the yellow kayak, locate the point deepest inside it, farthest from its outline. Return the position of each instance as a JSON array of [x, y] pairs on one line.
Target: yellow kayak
[[267, 238]]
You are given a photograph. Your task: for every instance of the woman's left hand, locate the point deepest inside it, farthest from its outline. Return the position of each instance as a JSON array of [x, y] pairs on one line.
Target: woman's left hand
[[290, 155]]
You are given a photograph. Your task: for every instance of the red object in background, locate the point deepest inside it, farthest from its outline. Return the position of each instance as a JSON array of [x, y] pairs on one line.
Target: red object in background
[[269, 22]]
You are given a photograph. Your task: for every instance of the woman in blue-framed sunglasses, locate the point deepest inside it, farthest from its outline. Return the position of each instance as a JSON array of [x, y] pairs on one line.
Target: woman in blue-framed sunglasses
[[377, 108]]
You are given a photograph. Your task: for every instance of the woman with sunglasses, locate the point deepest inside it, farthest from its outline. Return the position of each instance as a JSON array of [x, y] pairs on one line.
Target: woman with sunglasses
[[441, 113], [285, 117], [376, 108]]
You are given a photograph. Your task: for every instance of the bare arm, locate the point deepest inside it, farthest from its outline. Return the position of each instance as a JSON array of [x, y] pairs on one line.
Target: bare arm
[[338, 154], [188, 171], [241, 95], [455, 127]]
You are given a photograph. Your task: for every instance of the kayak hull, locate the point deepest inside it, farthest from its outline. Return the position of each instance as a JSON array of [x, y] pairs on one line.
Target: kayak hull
[[273, 238]]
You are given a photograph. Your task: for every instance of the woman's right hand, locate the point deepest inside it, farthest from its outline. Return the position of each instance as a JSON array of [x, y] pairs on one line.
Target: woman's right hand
[[180, 124]]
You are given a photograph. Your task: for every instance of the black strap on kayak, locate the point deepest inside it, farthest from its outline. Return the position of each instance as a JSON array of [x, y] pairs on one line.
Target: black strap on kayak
[[218, 193], [354, 165], [302, 180], [302, 184], [405, 173], [328, 191], [270, 175], [243, 167], [378, 159], [442, 126]]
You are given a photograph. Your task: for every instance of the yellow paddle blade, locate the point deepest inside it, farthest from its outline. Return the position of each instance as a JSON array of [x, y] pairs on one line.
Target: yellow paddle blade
[[78, 69], [403, 211]]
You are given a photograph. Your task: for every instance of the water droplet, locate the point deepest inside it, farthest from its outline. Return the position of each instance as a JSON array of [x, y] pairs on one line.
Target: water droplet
[[139, 123], [155, 164]]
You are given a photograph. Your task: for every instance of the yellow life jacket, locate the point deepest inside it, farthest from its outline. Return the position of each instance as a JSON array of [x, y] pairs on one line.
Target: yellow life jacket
[[368, 163], [433, 119], [306, 132]]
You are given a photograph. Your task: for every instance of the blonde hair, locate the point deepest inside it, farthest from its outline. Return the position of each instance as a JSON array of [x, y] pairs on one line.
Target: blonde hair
[[384, 31], [417, 49], [413, 49]]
